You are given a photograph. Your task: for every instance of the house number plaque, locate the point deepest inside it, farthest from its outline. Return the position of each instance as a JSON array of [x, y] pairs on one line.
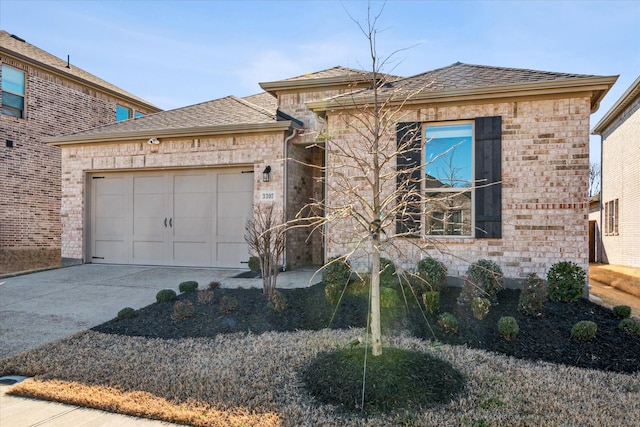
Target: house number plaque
[[267, 196]]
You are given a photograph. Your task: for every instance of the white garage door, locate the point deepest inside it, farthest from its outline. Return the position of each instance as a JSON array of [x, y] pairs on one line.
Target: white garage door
[[183, 218]]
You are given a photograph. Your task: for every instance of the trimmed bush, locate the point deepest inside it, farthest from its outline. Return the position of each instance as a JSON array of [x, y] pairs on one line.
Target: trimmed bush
[[566, 281], [389, 297], [433, 274], [254, 264], [388, 277], [630, 326], [126, 313], [227, 304], [584, 330], [532, 296], [277, 301], [205, 297], [431, 301], [488, 276], [336, 271], [480, 307], [215, 285], [333, 292], [508, 327], [449, 322], [166, 295], [188, 286], [622, 311], [183, 310], [469, 291]]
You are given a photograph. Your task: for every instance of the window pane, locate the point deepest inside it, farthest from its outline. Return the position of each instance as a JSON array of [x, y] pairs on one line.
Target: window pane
[[448, 214], [12, 80], [448, 156], [138, 114], [122, 113]]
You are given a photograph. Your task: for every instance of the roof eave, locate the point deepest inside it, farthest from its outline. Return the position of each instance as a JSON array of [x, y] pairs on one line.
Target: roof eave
[[85, 82], [281, 85], [200, 131], [625, 100]]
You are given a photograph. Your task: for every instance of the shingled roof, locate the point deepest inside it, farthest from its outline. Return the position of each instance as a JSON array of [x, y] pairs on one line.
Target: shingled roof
[[12, 45]]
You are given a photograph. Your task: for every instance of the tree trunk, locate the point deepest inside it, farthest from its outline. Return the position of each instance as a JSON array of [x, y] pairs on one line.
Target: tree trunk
[[376, 332]]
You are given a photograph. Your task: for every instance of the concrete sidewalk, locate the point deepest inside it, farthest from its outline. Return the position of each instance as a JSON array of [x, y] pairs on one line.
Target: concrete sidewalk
[[42, 307]]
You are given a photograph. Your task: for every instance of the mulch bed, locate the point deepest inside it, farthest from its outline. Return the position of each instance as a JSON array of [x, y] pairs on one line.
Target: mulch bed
[[547, 337]]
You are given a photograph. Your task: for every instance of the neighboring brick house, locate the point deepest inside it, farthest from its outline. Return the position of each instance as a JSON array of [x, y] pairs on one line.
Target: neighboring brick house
[[620, 181], [528, 131], [43, 96]]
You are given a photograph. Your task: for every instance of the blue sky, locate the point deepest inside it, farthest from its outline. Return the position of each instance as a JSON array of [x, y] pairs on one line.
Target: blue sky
[[177, 53]]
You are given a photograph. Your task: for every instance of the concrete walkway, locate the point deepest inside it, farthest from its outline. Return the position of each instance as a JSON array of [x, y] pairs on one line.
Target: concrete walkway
[[42, 307]]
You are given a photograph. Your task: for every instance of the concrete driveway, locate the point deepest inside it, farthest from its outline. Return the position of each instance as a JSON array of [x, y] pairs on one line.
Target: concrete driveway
[[41, 307]]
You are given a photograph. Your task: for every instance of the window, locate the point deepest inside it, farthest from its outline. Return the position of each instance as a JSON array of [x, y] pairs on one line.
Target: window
[[611, 218], [448, 168], [122, 113], [137, 114], [12, 92]]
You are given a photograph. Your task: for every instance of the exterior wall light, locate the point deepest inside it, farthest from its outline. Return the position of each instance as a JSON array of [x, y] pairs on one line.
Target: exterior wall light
[[265, 174]]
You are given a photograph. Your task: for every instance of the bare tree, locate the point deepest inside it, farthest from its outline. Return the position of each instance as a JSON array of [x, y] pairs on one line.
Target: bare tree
[[594, 179], [265, 235]]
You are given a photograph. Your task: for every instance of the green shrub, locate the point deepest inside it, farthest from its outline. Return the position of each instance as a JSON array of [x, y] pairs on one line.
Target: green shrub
[[389, 298], [622, 311], [449, 322], [254, 264], [387, 273], [205, 296], [431, 300], [566, 281], [336, 271], [480, 307], [166, 295], [227, 304], [215, 285], [630, 326], [508, 327], [183, 310], [433, 274], [333, 292], [532, 296], [188, 286], [126, 313], [277, 301], [469, 291], [488, 276], [584, 330]]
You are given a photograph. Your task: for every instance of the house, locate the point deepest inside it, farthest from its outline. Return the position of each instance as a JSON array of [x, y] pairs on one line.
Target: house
[[176, 188], [43, 96], [620, 181]]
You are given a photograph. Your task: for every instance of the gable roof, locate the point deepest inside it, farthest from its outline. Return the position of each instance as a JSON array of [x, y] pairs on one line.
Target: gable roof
[[336, 76], [221, 116], [264, 100], [629, 96], [467, 81], [16, 47]]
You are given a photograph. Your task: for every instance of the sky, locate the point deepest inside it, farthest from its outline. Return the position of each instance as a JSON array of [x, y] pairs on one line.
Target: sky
[[179, 53]]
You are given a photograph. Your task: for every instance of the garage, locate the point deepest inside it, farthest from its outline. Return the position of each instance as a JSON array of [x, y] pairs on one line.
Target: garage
[[192, 217]]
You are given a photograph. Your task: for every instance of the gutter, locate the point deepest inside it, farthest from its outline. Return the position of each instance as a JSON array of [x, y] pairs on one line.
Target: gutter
[[285, 193]]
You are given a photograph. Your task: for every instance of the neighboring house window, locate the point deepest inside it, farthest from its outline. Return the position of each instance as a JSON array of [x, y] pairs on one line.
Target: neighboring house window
[[122, 113], [137, 114], [13, 83], [611, 217], [460, 164]]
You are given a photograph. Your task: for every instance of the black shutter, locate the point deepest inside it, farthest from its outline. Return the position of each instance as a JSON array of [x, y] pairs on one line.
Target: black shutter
[[409, 140], [488, 164]]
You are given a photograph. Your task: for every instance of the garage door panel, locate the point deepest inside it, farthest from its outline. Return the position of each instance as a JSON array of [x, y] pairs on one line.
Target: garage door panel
[[109, 228], [197, 183], [192, 253], [148, 205], [232, 254], [148, 252], [234, 204], [231, 227], [151, 184], [109, 251], [192, 205]]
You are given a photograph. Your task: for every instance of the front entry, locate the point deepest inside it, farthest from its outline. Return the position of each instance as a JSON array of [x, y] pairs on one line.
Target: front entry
[[181, 218]]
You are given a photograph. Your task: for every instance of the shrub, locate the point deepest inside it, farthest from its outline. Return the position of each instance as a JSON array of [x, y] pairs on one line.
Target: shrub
[[431, 300], [389, 297], [337, 271], [205, 296], [166, 295], [449, 322], [387, 273], [480, 307], [508, 327], [215, 285], [584, 330], [126, 313], [469, 291], [532, 296], [254, 264], [433, 274], [227, 304], [630, 326], [488, 276], [188, 286], [183, 310], [333, 292], [277, 301], [566, 281], [622, 311]]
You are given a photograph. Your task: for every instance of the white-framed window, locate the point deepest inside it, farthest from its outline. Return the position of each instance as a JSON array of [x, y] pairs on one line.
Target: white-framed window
[[611, 217], [13, 92], [448, 154]]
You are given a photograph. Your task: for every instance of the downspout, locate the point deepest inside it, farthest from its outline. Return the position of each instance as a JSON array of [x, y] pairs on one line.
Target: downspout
[[599, 257], [285, 192]]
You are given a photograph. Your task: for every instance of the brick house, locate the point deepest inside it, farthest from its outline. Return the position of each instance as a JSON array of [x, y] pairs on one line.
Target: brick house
[[43, 96], [619, 129], [527, 131]]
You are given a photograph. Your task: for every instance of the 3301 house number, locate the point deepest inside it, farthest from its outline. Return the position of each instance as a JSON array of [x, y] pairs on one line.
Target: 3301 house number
[[267, 196]]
